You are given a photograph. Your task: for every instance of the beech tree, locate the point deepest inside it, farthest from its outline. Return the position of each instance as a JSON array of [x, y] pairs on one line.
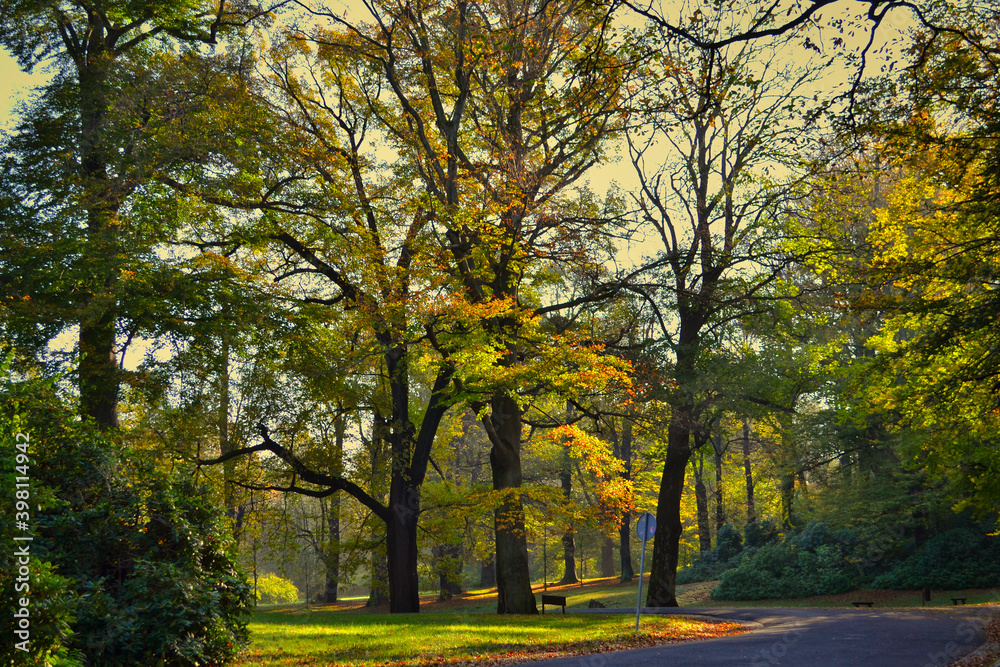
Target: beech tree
[[82, 155], [496, 111]]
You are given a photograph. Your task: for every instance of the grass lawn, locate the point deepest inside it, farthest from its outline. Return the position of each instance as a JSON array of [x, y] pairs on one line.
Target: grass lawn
[[300, 637], [466, 631]]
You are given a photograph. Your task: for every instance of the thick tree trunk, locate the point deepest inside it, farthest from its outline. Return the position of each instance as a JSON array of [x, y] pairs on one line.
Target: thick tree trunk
[[98, 369], [663, 570], [514, 594], [748, 473], [401, 545]]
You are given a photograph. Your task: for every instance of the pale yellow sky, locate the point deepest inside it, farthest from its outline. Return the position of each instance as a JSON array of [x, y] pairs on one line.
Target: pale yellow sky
[[15, 86]]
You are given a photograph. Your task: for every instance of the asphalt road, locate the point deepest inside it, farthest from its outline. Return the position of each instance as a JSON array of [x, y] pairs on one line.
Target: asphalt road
[[827, 637]]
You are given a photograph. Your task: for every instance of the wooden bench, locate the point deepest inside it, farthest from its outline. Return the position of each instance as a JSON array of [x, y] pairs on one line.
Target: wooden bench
[[862, 604], [957, 601], [558, 600]]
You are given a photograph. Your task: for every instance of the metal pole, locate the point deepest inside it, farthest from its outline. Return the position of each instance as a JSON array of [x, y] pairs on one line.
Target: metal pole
[[545, 560], [638, 602]]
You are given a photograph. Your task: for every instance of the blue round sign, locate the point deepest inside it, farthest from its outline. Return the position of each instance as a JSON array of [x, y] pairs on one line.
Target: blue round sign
[[646, 526]]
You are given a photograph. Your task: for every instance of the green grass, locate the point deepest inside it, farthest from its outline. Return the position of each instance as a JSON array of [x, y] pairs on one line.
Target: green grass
[[287, 638]]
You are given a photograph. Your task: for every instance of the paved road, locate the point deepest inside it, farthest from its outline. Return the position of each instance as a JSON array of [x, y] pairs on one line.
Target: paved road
[[826, 637]]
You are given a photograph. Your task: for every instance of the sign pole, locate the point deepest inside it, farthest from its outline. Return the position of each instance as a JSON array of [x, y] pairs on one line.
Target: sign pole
[[638, 602], [646, 528]]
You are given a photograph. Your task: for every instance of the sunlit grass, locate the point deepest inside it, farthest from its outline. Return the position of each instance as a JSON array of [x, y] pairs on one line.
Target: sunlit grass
[[320, 638]]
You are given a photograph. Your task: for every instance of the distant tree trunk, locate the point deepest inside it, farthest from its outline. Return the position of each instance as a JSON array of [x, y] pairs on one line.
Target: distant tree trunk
[[569, 551], [751, 509], [487, 574], [701, 500], [449, 578], [720, 512], [332, 560], [786, 488], [569, 559], [379, 594], [607, 557], [625, 532], [234, 510]]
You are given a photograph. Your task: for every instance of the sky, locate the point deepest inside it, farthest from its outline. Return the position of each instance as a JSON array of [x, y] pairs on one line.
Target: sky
[[15, 86]]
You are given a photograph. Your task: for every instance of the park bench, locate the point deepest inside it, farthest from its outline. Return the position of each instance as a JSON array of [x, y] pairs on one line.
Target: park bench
[[957, 601], [862, 604], [558, 600]]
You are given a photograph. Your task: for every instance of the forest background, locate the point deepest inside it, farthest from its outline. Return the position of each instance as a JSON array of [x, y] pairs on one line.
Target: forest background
[[411, 296]]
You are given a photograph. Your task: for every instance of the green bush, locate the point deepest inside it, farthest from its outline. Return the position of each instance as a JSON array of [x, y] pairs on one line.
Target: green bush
[[960, 558], [813, 562], [272, 589], [52, 601], [759, 533], [142, 571], [728, 543]]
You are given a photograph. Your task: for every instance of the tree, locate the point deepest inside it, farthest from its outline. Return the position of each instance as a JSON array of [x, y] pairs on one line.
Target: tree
[[140, 563], [496, 113], [726, 115], [82, 157]]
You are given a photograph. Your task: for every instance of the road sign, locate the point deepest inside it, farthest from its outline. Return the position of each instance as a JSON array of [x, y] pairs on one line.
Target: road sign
[[646, 526]]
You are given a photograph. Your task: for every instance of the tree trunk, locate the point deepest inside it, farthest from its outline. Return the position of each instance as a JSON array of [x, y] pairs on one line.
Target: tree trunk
[[625, 532], [487, 574], [401, 545], [514, 594], [748, 473], [235, 510], [666, 542], [449, 570], [607, 557], [569, 551], [379, 594], [786, 488], [625, 548], [701, 500], [720, 512], [332, 559], [98, 368]]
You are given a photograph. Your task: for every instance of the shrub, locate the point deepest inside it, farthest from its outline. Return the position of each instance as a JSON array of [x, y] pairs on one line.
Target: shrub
[[759, 533], [272, 589], [142, 571], [813, 562], [959, 558], [713, 563], [728, 543]]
